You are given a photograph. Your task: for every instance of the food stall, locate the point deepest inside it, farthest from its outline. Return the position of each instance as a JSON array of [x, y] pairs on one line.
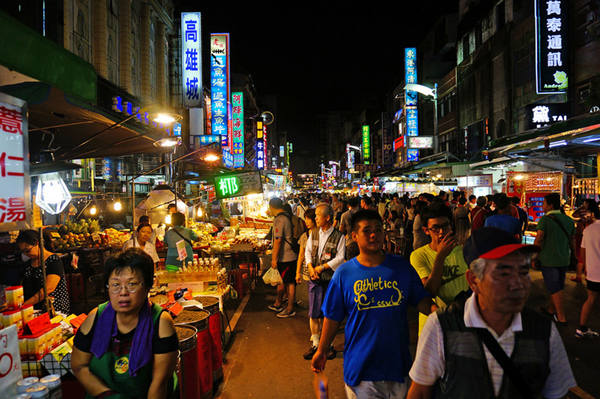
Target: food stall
[[532, 187], [582, 189], [478, 185]]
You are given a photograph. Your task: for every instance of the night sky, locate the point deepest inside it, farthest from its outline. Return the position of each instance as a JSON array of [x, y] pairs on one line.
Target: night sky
[[319, 56]]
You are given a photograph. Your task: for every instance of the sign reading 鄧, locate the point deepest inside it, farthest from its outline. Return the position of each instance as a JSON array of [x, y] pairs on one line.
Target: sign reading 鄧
[[550, 43], [191, 62]]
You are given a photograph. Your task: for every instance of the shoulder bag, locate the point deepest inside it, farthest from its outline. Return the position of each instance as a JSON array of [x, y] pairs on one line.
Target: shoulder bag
[[573, 260]]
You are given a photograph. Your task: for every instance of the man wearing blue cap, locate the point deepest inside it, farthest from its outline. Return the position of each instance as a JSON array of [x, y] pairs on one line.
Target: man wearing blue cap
[[491, 346]]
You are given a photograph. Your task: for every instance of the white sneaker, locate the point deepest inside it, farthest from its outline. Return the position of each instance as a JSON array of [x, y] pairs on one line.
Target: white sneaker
[[588, 333]]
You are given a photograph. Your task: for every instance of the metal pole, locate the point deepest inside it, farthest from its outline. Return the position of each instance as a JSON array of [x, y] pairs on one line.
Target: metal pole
[[435, 120], [43, 266], [132, 204]]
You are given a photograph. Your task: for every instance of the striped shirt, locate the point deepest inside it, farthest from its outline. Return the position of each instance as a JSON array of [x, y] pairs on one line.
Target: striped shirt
[[429, 363]]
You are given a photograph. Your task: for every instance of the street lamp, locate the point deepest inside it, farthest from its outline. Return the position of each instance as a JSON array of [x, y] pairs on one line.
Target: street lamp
[[429, 92]]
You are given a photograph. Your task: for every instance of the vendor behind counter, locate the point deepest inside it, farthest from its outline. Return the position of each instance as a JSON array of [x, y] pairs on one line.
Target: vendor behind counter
[[176, 234], [33, 278]]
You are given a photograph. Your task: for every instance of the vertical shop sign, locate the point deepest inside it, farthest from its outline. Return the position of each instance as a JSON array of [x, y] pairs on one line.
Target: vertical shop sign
[[551, 65], [237, 102], [219, 84], [260, 146], [410, 75], [14, 165], [386, 138], [366, 144], [191, 59]]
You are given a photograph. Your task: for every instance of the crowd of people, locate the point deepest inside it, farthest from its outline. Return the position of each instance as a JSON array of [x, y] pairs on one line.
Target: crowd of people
[[466, 270]]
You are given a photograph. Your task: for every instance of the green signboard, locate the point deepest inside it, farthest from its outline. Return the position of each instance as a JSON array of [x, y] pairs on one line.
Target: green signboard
[[366, 144], [237, 185]]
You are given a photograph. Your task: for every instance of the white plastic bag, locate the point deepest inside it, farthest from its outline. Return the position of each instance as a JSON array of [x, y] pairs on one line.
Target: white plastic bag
[[272, 277]]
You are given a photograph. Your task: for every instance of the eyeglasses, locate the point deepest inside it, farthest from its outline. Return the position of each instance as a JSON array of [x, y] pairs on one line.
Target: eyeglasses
[[131, 287], [436, 228]]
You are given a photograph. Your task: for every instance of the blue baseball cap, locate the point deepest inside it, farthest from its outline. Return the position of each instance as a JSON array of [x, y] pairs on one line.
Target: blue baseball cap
[[492, 243]]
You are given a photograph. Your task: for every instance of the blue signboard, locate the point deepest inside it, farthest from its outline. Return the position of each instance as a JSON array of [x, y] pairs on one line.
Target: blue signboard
[[227, 158], [219, 84], [412, 122], [410, 67], [412, 155], [191, 62], [177, 129], [260, 153]]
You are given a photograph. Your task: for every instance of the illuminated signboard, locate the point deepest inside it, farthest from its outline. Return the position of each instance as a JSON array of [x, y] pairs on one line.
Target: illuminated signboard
[[281, 151], [131, 109], [412, 155], [260, 146], [420, 142], [552, 59], [237, 102], [237, 185], [412, 122], [209, 139], [366, 144], [191, 59], [398, 143], [410, 74], [350, 161], [227, 158], [542, 115], [290, 147], [177, 129], [219, 84], [15, 206]]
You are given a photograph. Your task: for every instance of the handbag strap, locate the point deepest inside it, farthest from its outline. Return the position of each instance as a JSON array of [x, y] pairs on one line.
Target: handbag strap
[[507, 364], [561, 227], [179, 234]]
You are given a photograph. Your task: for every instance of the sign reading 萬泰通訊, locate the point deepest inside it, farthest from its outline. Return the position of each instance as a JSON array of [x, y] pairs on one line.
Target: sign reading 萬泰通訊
[[366, 144], [551, 46], [219, 84], [191, 62], [237, 185], [15, 206]]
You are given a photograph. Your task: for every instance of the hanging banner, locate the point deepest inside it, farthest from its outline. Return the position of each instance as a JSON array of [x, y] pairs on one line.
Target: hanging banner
[[551, 64], [259, 146], [219, 84], [191, 59], [237, 102], [410, 75], [15, 205], [366, 144]]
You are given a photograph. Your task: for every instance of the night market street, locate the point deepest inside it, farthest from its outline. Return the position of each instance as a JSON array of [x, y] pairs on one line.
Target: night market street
[[265, 359]]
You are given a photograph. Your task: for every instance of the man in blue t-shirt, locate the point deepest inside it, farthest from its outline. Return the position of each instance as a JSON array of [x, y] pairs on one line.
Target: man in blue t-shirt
[[372, 291], [503, 218]]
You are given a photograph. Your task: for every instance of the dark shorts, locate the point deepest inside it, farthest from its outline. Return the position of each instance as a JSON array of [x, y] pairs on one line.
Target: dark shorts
[[554, 278], [287, 271], [316, 293], [592, 285]]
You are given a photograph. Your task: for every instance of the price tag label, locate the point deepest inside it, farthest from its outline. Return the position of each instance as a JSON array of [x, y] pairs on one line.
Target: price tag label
[[39, 324], [10, 359], [54, 234], [175, 309]]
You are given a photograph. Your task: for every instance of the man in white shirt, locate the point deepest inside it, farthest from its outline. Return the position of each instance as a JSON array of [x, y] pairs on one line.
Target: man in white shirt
[[459, 348], [324, 253], [590, 253]]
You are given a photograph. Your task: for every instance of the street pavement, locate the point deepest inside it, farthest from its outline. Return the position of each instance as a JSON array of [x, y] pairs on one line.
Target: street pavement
[[265, 358]]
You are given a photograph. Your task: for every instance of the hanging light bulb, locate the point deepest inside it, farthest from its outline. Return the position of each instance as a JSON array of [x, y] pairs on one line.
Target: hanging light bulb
[[168, 219], [199, 212], [117, 206], [93, 210], [53, 196]]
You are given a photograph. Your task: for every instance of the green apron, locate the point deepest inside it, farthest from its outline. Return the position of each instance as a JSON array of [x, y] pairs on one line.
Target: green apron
[[113, 369]]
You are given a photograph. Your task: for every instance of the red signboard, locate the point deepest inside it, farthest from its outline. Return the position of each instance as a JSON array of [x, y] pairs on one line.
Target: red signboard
[[399, 143]]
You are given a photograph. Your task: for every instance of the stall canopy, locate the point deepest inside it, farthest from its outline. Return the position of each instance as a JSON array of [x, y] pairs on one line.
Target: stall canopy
[[73, 129], [155, 204]]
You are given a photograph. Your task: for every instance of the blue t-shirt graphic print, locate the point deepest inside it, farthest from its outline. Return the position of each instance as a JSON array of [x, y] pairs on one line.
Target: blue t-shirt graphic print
[[374, 300]]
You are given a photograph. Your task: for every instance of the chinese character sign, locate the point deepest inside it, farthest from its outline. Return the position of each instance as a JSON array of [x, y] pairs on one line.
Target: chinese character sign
[[14, 164], [237, 102], [410, 74], [412, 122], [412, 155], [550, 42], [366, 144], [228, 186], [219, 83], [191, 59]]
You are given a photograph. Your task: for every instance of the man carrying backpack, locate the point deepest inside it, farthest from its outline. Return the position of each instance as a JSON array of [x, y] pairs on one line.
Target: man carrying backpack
[[325, 250], [284, 258]]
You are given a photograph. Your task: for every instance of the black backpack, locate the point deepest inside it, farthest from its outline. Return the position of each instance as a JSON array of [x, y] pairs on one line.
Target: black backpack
[[298, 228]]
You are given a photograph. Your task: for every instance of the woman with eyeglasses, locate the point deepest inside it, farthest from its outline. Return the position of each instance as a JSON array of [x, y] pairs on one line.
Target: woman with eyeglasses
[[33, 278], [127, 347]]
